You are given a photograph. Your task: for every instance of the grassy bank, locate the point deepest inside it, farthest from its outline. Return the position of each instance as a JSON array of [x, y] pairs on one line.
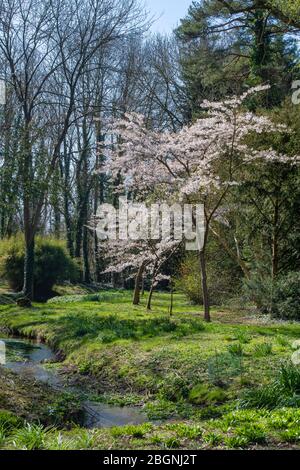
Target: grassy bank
[[219, 383]]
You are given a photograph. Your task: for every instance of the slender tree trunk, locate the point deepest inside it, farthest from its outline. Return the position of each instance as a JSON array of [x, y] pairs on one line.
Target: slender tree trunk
[[69, 229], [204, 286], [143, 287], [79, 234], [138, 281], [150, 296], [155, 272], [85, 252], [261, 45], [29, 266], [57, 223], [98, 199], [29, 228], [65, 174]]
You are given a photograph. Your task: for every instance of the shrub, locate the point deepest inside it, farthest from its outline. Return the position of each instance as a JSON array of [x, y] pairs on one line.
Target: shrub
[[260, 291], [286, 297], [52, 264], [223, 279], [279, 298]]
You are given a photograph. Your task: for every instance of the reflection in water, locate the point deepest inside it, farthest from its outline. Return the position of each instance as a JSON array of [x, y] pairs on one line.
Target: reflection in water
[[25, 357], [21, 351]]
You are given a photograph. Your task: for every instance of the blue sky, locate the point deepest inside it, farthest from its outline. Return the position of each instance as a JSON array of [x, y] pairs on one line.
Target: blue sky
[[169, 13]]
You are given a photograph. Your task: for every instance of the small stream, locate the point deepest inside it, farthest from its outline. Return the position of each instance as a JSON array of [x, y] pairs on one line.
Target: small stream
[[26, 357]]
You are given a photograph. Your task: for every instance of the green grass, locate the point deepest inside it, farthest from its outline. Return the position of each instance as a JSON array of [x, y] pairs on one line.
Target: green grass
[[174, 367], [284, 390], [235, 430]]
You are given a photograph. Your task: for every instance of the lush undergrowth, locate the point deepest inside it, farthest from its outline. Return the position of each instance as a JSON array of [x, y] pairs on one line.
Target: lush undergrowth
[[219, 382]]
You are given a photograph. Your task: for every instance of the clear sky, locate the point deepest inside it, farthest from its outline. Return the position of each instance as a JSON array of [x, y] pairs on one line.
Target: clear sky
[[169, 13]]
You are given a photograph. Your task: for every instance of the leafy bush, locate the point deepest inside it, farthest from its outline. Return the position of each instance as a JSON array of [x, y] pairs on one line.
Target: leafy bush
[[52, 264], [279, 298], [223, 280], [260, 291], [286, 297]]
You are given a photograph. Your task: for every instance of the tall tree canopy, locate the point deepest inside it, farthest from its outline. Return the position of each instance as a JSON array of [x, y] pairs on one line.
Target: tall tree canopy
[[229, 45]]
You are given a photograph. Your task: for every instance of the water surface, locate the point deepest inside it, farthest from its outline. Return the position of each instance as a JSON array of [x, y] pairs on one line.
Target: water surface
[[27, 358]]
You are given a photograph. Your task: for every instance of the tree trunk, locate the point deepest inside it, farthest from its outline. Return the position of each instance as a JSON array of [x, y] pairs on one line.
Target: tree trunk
[[150, 297], [65, 174], [69, 230], [29, 267], [29, 226], [137, 288], [261, 46], [204, 287], [143, 287], [85, 252]]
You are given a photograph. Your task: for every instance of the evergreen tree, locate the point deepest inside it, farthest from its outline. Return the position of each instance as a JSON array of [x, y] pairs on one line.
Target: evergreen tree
[[227, 46]]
